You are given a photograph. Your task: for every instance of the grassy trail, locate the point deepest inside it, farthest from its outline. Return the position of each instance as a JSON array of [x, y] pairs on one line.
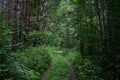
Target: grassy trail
[[60, 69], [73, 75]]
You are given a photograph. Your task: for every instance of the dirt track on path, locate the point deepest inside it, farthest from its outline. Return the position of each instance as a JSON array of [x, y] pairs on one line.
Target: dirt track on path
[[73, 75]]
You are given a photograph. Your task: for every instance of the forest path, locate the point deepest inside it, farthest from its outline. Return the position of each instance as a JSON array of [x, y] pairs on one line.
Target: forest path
[[47, 72], [73, 75], [61, 68]]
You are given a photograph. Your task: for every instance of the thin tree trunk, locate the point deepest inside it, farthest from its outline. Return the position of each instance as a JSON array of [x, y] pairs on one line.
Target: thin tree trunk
[[101, 24], [15, 30]]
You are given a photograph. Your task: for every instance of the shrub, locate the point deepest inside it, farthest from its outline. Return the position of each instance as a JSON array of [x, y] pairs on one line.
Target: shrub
[[5, 56], [35, 38], [21, 72], [36, 60], [29, 64], [86, 70], [44, 37]]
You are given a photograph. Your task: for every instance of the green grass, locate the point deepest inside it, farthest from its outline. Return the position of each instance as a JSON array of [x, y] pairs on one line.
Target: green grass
[[60, 69], [33, 62]]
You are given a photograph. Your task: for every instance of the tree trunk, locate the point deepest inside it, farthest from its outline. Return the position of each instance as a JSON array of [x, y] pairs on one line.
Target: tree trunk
[[15, 29]]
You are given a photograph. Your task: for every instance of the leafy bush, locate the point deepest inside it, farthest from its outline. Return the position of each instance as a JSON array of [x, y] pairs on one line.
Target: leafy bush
[[21, 72], [29, 64], [86, 70], [35, 60], [5, 57], [35, 38], [46, 37]]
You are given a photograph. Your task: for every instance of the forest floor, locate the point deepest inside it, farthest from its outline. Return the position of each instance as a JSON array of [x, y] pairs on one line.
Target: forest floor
[[61, 67], [73, 75]]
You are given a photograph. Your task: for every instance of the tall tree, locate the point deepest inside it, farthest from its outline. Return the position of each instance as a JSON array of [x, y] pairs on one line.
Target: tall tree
[[111, 60], [15, 27]]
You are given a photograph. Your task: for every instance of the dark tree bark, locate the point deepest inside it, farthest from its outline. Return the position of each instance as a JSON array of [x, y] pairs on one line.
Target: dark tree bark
[[26, 21], [15, 29], [101, 12], [110, 29]]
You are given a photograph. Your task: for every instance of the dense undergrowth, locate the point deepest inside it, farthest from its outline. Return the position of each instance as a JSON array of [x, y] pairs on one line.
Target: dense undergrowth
[[60, 69], [86, 69], [30, 64], [74, 28], [5, 56]]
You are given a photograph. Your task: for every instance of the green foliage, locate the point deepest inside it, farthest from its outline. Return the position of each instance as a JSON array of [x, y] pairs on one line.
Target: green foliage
[[29, 64], [52, 36], [65, 21], [20, 72], [36, 59], [35, 38], [73, 25], [60, 69], [70, 54], [46, 37], [5, 56], [86, 70]]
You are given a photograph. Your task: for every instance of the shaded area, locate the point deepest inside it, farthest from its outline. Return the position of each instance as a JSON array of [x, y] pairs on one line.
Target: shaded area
[[73, 75]]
